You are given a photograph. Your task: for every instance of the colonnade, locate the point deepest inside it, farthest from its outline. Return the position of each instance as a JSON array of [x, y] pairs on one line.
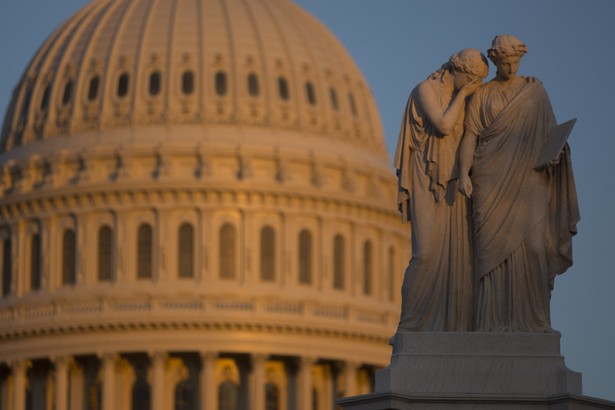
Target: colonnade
[[160, 380]]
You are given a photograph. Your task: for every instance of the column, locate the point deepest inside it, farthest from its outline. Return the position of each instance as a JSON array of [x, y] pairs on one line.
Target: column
[[258, 382], [61, 374], [350, 379], [209, 394], [158, 360], [108, 361], [305, 383], [19, 368]]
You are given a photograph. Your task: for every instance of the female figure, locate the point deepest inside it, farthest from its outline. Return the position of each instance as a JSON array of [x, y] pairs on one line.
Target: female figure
[[437, 287], [523, 218]]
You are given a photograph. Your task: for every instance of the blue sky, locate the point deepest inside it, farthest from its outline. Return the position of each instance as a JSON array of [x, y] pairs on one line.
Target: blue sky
[[397, 43]]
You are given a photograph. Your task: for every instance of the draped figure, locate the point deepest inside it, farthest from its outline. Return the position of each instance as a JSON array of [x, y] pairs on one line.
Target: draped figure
[[437, 287], [523, 218]]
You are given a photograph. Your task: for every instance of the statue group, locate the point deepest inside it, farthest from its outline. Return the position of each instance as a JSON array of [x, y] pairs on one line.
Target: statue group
[[492, 220]]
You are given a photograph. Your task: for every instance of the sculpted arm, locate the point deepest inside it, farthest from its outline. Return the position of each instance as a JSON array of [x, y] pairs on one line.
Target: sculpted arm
[[444, 121], [466, 159]]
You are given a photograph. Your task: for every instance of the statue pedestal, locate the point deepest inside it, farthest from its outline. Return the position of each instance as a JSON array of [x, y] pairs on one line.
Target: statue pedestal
[[475, 370]]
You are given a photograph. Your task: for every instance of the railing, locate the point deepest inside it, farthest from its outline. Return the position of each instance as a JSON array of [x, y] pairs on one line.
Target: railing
[[107, 309]]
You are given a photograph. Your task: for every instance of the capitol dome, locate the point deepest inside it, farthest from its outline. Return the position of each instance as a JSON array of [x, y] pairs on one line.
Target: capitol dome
[[196, 211]]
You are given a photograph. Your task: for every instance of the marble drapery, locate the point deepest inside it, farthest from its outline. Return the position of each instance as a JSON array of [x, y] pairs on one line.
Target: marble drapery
[[523, 219]]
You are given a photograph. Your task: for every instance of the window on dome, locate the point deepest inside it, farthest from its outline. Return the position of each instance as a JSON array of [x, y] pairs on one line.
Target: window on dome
[[188, 82], [310, 93], [391, 269], [155, 80], [35, 262], [45, 99], [334, 102], [315, 399], [272, 397], [221, 87], [367, 268], [93, 88], [353, 106], [305, 257], [228, 257], [228, 395], [267, 254], [7, 267], [185, 252], [69, 257], [105, 254], [122, 85], [253, 89], [283, 88], [68, 91], [26, 104], [185, 395], [145, 244], [141, 392], [338, 262]]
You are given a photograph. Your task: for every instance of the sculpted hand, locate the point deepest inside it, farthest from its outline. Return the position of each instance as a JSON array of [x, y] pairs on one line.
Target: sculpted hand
[[471, 87], [465, 185]]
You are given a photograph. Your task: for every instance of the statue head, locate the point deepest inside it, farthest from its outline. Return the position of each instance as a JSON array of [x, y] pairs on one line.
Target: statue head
[[506, 46], [469, 61], [468, 65]]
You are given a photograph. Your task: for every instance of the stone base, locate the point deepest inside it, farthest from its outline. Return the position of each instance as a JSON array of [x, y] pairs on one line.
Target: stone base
[[389, 401], [442, 370]]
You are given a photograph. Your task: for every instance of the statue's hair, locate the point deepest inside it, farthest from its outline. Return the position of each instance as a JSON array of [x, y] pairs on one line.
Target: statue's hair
[[471, 61], [468, 60], [506, 45]]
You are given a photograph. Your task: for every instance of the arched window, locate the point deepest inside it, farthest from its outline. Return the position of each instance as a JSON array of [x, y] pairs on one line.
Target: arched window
[[339, 271], [353, 106], [221, 87], [253, 88], [305, 257], [155, 82], [228, 396], [105, 254], [272, 397], [188, 82], [334, 101], [45, 99], [310, 93], [35, 262], [141, 394], [7, 267], [267, 254], [185, 251], [93, 88], [68, 92], [283, 88], [69, 257], [367, 268], [26, 104], [315, 399], [184, 396], [391, 269], [122, 85], [145, 246], [228, 257]]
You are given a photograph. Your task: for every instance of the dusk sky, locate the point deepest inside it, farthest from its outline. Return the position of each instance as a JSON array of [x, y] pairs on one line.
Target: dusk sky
[[398, 43]]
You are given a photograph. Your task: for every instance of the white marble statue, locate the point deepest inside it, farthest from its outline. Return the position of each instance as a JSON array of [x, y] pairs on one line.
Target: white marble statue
[[437, 291], [523, 219]]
